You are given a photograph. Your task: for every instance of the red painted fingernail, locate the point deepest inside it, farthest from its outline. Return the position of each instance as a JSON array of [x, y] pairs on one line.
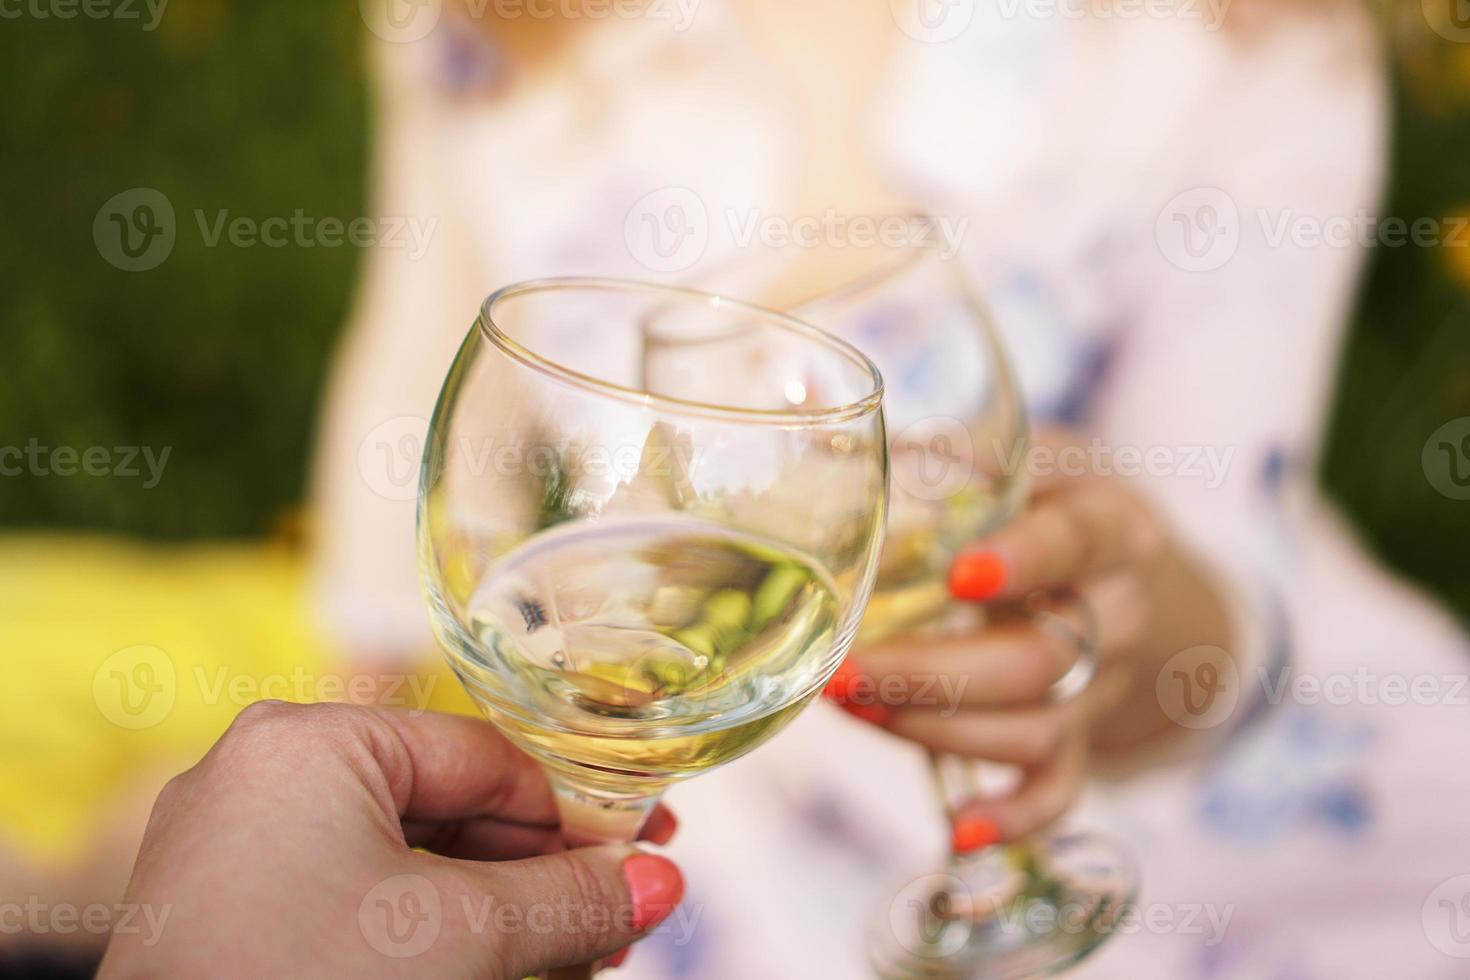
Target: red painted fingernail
[[839, 688], [661, 826], [655, 886], [978, 576], [972, 834], [875, 714], [617, 959]]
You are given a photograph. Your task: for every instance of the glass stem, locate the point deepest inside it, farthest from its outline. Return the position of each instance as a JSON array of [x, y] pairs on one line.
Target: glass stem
[[592, 815]]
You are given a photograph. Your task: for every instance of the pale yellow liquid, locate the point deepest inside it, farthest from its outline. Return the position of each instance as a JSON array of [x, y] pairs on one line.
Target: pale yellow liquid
[[643, 651], [912, 588]]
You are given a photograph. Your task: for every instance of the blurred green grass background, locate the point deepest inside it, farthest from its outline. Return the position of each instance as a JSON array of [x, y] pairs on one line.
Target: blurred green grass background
[[261, 109]]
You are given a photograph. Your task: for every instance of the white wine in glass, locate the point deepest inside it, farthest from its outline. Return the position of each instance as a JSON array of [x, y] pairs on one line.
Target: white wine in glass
[[643, 566]]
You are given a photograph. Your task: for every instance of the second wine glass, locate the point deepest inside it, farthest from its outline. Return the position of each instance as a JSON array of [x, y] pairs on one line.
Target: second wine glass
[[958, 444]]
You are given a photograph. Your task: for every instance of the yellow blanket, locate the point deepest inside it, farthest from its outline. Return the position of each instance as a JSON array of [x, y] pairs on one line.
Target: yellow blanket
[[122, 658]]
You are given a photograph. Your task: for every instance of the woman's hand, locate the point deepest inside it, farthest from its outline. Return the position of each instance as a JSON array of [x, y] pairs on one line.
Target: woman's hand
[[289, 851], [1092, 540]]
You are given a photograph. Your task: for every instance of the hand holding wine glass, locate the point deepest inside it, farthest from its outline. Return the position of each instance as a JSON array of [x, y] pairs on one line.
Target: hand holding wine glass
[[644, 557], [410, 836]]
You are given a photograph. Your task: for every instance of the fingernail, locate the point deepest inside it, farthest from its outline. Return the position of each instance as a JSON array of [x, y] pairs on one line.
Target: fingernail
[[655, 886], [876, 714], [662, 825], [978, 576], [617, 959], [972, 834], [839, 688]]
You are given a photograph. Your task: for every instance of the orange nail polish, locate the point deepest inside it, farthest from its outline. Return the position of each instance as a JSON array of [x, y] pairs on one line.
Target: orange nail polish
[[972, 834], [618, 959], [875, 714], [661, 826], [655, 886], [978, 576]]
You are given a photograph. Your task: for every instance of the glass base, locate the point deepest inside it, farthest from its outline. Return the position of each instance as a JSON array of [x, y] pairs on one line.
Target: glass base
[[1009, 912]]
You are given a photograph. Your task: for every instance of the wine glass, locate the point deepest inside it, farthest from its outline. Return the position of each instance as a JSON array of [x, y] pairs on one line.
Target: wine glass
[[642, 564], [958, 437]]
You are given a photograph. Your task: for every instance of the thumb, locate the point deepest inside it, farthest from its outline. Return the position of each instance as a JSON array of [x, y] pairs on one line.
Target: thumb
[[573, 907]]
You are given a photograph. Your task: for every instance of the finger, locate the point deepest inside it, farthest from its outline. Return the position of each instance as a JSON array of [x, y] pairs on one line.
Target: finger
[[450, 767], [488, 839], [1043, 796], [1028, 737], [482, 838], [1086, 529], [1005, 665], [577, 906], [1022, 738]]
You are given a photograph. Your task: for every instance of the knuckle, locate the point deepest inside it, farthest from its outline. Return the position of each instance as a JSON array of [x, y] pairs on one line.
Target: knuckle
[[261, 714], [276, 727]]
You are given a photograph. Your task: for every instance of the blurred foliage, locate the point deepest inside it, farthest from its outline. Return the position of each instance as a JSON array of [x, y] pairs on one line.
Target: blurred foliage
[[220, 352], [1407, 368]]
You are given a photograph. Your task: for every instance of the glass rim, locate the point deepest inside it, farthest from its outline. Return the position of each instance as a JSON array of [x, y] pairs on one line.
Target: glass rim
[[905, 258], [497, 336]]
